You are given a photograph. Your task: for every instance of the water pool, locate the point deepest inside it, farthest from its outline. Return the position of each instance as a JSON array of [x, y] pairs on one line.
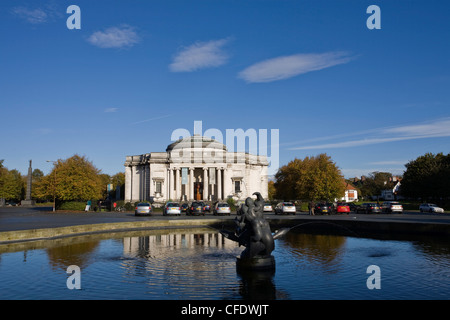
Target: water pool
[[199, 264]]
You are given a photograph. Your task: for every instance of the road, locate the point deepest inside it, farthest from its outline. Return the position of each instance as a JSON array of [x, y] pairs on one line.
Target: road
[[19, 218]]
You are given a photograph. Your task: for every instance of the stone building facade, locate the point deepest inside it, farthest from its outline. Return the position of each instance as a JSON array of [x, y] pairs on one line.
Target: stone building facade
[[194, 168]]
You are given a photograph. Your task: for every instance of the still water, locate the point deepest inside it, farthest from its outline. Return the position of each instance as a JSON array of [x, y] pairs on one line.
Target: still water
[[200, 264]]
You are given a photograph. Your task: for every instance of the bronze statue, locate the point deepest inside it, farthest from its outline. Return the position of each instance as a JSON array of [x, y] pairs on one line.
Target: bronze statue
[[253, 232]]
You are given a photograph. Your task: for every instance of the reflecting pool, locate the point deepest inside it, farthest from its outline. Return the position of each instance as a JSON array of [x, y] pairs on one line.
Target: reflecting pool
[[196, 264]]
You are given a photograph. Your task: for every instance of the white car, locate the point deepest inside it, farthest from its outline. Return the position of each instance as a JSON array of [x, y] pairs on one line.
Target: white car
[[268, 207], [222, 208], [391, 206], [143, 208], [430, 207], [285, 207], [172, 208]]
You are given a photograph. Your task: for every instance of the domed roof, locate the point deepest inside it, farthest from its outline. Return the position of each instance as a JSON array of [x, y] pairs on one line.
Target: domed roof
[[196, 141]]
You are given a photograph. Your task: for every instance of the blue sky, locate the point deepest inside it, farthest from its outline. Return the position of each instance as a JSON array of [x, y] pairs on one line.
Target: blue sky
[[137, 70]]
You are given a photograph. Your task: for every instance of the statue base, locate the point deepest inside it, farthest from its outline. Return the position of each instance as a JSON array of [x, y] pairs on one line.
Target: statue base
[[27, 203], [256, 263]]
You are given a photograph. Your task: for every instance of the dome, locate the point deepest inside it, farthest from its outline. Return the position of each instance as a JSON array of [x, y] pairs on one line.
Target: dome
[[196, 141]]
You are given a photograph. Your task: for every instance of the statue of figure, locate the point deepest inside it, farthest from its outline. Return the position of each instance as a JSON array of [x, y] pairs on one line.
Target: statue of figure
[[252, 230]]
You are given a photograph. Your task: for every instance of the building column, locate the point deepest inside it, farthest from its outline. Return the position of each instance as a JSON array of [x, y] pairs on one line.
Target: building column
[[171, 184], [135, 191], [145, 186], [166, 185], [227, 188], [128, 184], [205, 184], [151, 188], [177, 184], [219, 184], [191, 183]]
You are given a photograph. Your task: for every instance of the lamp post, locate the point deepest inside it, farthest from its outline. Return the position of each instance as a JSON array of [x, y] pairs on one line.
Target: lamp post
[[54, 185]]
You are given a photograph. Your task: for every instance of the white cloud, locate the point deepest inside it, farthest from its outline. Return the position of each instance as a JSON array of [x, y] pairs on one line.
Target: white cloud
[[108, 110], [115, 37], [34, 16], [437, 128], [440, 128], [151, 119], [200, 55], [289, 66]]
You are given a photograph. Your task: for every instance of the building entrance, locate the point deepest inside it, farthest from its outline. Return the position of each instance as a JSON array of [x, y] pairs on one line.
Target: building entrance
[[198, 190]]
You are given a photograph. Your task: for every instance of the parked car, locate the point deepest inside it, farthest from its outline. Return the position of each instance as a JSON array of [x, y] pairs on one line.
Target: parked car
[[369, 207], [268, 207], [430, 207], [197, 208], [172, 208], [352, 206], [342, 208], [184, 207], [222, 208], [391, 206], [206, 207], [285, 207], [323, 208], [142, 209]]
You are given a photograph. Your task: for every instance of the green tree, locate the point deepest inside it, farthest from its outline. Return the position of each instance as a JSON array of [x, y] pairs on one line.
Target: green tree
[[271, 190], [313, 178], [427, 177], [37, 177], [376, 182], [119, 180], [12, 186], [73, 179]]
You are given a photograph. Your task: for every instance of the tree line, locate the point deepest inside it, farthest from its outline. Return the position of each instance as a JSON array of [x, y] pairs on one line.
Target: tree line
[[426, 178], [313, 178], [72, 179]]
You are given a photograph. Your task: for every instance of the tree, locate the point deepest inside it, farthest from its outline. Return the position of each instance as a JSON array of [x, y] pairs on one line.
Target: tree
[[313, 178], [12, 186], [376, 182], [271, 190], [427, 177], [118, 180], [73, 179], [37, 177]]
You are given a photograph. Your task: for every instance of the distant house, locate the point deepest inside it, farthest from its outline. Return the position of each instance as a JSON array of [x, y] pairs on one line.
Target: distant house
[[392, 193], [350, 194]]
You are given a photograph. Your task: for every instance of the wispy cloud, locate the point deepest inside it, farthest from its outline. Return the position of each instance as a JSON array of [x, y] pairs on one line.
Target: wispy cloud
[[109, 110], [115, 37], [151, 119], [34, 16], [289, 66], [200, 55], [46, 12], [433, 129]]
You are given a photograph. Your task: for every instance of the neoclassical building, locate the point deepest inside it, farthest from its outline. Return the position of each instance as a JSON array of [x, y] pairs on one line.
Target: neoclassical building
[[194, 168]]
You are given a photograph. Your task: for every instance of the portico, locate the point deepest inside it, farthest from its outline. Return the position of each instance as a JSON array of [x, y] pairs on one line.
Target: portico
[[194, 168]]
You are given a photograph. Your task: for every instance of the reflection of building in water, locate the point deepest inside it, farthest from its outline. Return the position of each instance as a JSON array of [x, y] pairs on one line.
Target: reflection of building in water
[[154, 243]]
